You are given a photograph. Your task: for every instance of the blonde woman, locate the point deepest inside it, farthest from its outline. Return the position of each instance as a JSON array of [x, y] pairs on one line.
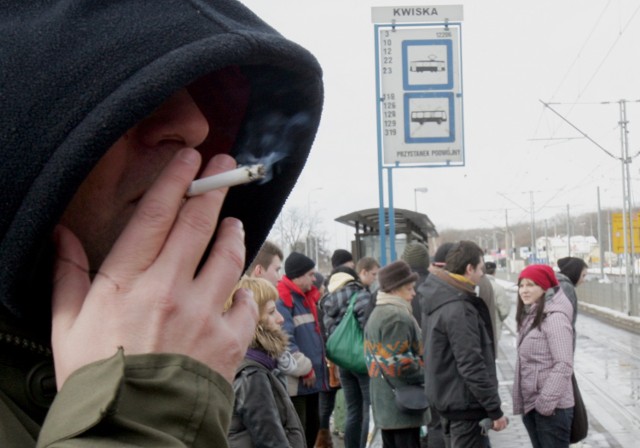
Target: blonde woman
[[263, 414]]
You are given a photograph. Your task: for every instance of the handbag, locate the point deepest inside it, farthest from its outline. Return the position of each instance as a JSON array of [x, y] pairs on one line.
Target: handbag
[[409, 398], [345, 346], [580, 423]]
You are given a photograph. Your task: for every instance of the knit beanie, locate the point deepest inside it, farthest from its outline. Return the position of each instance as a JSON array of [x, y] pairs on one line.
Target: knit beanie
[[319, 281], [440, 257], [572, 267], [541, 274], [490, 267], [395, 275], [297, 264], [416, 255], [340, 256]]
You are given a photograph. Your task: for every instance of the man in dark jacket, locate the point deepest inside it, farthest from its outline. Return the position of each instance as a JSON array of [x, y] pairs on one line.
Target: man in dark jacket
[[298, 305], [460, 373], [110, 110]]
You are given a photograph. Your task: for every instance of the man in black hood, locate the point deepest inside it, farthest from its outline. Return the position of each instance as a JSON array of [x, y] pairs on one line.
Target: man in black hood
[[112, 282]]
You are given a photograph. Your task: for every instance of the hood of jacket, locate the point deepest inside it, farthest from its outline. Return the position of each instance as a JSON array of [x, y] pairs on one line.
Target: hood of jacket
[[338, 280], [559, 303], [441, 288], [272, 341], [78, 74]]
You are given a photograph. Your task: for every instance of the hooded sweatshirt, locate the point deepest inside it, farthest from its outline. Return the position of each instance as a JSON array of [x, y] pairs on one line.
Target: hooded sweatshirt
[[77, 74]]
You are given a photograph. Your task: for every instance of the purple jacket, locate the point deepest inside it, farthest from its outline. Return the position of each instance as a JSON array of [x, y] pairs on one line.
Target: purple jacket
[[545, 359]]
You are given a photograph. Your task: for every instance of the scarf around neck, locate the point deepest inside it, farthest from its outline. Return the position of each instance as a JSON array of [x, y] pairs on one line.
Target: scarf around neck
[[261, 357]]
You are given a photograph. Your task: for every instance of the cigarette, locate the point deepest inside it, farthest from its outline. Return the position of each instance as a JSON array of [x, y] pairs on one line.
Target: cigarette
[[239, 176]]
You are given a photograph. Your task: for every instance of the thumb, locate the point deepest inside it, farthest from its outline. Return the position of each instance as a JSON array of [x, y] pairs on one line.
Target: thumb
[[71, 281]]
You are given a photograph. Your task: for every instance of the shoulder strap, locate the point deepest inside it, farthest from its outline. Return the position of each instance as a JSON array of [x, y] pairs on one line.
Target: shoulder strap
[[352, 301]]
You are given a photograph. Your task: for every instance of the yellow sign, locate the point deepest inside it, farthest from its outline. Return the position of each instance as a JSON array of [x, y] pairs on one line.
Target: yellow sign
[[617, 230]]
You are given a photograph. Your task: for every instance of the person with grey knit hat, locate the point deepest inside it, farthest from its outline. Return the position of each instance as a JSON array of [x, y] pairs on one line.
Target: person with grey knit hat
[[416, 254], [393, 343], [435, 437]]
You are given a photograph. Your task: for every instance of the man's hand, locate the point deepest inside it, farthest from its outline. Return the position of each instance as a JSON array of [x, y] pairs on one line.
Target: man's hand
[[500, 424], [146, 296], [310, 381]]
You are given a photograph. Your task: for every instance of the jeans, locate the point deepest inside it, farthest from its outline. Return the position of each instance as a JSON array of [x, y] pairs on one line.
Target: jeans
[[551, 431], [327, 403], [463, 434], [356, 396]]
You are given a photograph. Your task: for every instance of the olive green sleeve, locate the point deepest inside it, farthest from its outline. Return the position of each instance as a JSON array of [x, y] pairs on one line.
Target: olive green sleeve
[[143, 400]]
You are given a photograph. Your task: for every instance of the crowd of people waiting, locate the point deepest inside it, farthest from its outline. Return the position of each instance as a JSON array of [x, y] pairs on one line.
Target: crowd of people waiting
[[432, 325]]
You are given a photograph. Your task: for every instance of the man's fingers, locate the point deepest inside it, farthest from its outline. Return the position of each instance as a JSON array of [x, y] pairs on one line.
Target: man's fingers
[[71, 281], [196, 222], [225, 263], [146, 233], [241, 319]]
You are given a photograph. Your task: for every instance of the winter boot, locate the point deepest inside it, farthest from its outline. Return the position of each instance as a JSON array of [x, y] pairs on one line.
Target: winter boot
[[324, 439]]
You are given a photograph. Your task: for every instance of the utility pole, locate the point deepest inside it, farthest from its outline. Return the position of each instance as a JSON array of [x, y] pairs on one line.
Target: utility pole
[[568, 232], [506, 243], [546, 241], [600, 242], [627, 220], [533, 228]]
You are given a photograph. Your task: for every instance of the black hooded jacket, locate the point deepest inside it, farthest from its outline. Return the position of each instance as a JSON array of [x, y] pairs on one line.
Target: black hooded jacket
[[76, 75]]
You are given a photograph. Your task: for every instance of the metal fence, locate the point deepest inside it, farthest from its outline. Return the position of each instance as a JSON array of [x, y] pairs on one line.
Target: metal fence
[[609, 295]]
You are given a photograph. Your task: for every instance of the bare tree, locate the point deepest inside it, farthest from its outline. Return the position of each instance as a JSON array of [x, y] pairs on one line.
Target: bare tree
[[299, 231]]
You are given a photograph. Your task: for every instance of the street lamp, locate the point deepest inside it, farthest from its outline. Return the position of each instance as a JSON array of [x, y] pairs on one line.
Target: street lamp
[[311, 237], [415, 196]]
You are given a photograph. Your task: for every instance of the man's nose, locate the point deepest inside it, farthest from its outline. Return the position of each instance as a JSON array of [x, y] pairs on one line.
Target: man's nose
[[178, 119]]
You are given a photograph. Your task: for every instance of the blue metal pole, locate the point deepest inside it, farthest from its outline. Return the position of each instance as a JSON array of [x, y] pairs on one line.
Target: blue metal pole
[[392, 217], [381, 217]]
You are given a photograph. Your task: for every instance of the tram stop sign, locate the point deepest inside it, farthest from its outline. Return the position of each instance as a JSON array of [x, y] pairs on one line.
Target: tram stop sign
[[419, 85]]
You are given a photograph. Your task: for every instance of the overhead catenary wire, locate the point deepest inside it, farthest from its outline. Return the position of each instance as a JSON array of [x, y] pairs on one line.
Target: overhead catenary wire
[[598, 67], [579, 130]]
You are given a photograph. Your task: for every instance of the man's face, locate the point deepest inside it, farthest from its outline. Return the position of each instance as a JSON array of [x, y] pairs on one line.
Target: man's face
[[272, 273], [305, 282], [475, 274], [107, 198], [368, 278]]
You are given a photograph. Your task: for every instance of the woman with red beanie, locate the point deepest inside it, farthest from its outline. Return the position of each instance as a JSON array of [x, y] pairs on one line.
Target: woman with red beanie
[[542, 390]]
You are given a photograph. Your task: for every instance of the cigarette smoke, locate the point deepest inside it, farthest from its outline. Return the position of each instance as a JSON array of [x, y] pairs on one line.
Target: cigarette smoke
[[272, 140]]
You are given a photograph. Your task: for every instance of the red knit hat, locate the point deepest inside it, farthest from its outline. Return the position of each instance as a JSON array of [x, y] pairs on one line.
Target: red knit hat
[[540, 274]]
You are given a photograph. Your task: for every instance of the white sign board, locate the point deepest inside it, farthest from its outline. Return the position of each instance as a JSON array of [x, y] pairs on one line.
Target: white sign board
[[416, 14], [420, 95]]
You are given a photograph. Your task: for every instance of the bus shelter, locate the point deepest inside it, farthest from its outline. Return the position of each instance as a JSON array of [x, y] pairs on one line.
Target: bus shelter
[[409, 226]]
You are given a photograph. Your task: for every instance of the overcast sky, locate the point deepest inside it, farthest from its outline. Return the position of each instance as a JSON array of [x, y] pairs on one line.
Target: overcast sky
[[514, 53]]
